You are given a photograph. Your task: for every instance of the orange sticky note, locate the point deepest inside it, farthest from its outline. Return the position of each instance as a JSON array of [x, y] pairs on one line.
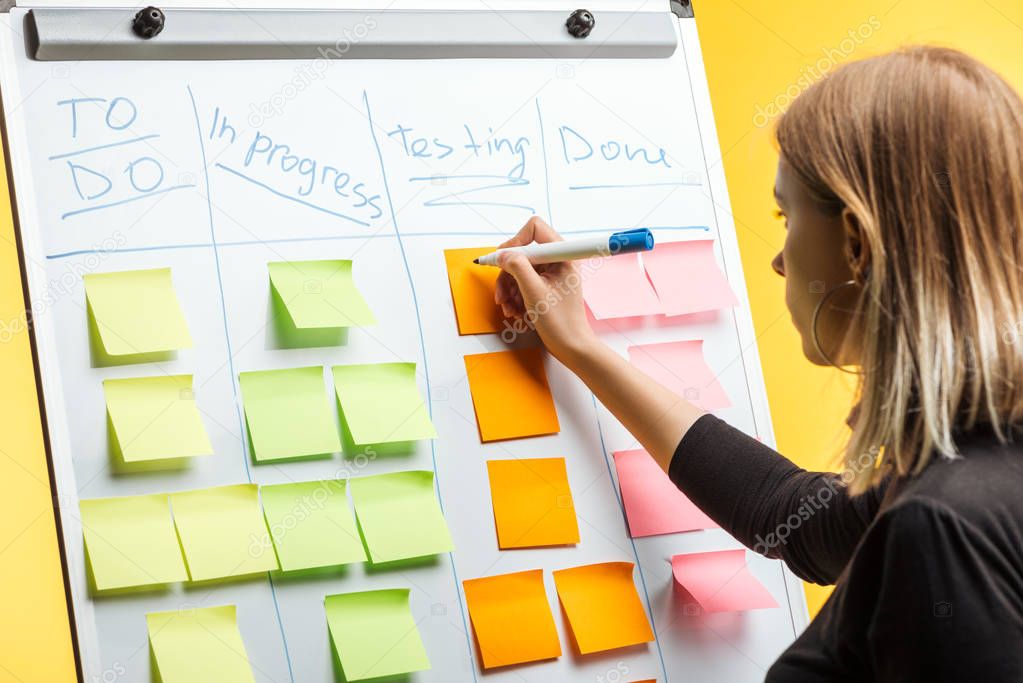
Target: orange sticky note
[[532, 503], [511, 618], [472, 291], [510, 394], [602, 606]]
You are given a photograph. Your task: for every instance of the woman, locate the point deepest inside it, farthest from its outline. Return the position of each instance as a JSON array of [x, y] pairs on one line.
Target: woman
[[901, 183]]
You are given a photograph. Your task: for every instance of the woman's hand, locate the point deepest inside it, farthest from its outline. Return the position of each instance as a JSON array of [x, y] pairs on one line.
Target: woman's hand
[[545, 297], [549, 298]]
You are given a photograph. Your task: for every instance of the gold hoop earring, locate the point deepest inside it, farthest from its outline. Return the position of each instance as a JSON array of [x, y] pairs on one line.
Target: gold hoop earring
[[813, 325]]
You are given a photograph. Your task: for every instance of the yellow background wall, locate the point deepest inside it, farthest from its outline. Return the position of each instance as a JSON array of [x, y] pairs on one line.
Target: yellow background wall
[[758, 54]]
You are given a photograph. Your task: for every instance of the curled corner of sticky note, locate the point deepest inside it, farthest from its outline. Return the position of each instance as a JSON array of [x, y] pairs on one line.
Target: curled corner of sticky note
[[374, 634], [720, 581], [314, 303], [602, 605], [134, 316], [153, 423], [687, 277], [511, 618]]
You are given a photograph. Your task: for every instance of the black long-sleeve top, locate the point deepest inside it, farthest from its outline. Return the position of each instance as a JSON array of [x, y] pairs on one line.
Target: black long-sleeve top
[[929, 570]]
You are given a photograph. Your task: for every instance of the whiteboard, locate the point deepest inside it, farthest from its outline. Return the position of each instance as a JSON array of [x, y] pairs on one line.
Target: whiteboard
[[420, 141]]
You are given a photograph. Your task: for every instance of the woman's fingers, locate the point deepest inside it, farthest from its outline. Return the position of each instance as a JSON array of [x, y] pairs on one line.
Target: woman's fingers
[[543, 232], [502, 291], [535, 230], [507, 296], [518, 273]]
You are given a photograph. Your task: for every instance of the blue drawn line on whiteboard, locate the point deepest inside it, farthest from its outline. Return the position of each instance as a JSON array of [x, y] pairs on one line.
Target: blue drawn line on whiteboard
[[86, 150], [543, 153], [682, 183], [289, 197], [97, 207], [207, 245], [74, 110], [512, 180], [454, 198], [230, 358], [426, 367], [616, 228], [437, 203], [635, 553], [329, 238]]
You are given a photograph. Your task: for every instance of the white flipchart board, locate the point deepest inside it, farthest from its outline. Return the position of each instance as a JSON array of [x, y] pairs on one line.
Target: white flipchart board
[[181, 195]]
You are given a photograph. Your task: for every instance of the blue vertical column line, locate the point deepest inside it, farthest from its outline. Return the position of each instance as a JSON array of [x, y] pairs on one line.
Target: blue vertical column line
[[600, 433], [546, 171], [426, 366], [230, 357]]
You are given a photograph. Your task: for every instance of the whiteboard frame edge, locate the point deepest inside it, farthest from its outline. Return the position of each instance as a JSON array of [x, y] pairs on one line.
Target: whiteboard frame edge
[[80, 612]]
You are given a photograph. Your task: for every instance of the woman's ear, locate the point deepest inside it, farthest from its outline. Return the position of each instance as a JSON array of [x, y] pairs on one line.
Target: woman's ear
[[857, 248]]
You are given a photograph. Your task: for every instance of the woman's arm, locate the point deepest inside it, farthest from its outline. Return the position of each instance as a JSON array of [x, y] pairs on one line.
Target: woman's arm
[[654, 415], [769, 504], [764, 500]]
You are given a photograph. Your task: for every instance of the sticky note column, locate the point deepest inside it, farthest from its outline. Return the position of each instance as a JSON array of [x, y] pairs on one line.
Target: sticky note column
[[532, 503]]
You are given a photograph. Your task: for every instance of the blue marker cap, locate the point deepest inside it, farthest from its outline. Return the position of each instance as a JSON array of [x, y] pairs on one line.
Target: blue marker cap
[[640, 239]]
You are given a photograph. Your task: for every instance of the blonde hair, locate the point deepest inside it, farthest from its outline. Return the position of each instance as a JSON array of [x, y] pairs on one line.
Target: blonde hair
[[924, 147]]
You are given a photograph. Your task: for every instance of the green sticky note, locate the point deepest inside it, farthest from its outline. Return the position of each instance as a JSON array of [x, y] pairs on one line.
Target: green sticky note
[[319, 294], [130, 542], [154, 418], [201, 645], [399, 516], [222, 532], [134, 313], [380, 403], [374, 634], [311, 525], [288, 414]]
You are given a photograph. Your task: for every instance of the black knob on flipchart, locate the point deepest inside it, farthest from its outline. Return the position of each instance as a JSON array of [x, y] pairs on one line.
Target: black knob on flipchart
[[580, 23], [148, 22]]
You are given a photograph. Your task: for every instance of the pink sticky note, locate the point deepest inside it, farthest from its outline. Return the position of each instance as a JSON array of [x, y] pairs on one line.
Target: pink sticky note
[[687, 278], [720, 581], [653, 505], [680, 367], [617, 287]]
